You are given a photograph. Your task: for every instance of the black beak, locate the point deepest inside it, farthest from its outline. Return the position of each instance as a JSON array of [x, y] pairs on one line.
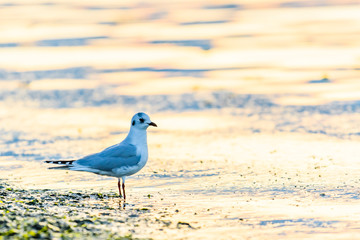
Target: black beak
[[152, 124]]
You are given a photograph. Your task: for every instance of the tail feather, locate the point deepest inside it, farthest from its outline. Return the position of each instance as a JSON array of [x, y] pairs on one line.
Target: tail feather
[[62, 162]]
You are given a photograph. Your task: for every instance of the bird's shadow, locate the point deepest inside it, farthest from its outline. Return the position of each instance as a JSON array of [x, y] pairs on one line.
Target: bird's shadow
[[122, 204]]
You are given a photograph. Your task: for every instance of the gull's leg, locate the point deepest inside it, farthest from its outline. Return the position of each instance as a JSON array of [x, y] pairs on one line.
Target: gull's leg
[[119, 188], [123, 187]]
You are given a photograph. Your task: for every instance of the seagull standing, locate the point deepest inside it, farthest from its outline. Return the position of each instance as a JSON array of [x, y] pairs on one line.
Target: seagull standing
[[120, 160]]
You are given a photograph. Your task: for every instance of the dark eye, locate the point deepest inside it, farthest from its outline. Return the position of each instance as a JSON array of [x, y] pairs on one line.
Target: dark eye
[[141, 120]]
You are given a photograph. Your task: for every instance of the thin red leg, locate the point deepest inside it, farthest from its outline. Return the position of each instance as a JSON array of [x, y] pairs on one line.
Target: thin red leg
[[119, 188], [123, 187]]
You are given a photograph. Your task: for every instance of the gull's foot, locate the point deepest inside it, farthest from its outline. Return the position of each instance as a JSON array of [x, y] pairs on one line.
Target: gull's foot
[[122, 198]]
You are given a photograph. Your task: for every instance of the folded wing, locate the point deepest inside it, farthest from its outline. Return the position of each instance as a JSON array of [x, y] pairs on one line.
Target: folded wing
[[117, 156]]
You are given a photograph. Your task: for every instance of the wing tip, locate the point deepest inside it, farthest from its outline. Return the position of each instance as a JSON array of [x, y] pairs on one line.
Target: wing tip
[[61, 162]]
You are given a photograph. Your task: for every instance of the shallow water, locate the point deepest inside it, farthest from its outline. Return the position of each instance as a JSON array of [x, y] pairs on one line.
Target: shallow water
[[257, 103]]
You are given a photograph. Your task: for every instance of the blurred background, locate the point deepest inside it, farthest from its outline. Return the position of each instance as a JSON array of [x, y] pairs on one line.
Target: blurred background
[[95, 53]]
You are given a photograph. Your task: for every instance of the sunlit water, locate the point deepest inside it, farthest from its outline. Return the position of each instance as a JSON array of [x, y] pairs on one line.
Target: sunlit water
[[257, 105]]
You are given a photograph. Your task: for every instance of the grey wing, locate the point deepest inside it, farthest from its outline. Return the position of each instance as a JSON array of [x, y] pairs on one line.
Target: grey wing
[[117, 156], [120, 150]]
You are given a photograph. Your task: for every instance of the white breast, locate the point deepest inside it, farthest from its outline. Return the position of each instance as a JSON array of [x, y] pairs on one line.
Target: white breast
[[143, 150]]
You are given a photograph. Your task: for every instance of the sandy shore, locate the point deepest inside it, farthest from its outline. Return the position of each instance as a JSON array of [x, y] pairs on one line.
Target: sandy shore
[[252, 186]]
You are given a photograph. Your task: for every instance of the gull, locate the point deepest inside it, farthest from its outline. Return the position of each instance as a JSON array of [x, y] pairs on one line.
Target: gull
[[120, 160]]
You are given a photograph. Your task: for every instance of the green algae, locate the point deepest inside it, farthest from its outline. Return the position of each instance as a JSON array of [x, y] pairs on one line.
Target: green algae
[[45, 214]]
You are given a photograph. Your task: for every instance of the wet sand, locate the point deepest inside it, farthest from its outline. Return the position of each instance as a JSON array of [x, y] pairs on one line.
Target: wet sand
[[229, 184]]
